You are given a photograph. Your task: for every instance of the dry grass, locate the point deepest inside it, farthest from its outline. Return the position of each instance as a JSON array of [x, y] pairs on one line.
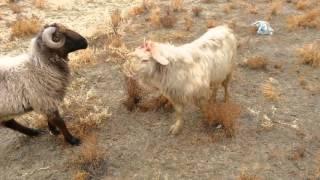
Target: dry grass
[[247, 176], [40, 4], [276, 7], [252, 9], [225, 114], [82, 58], [270, 90], [302, 4], [310, 19], [256, 62], [188, 23], [155, 104], [155, 17], [310, 54], [81, 175], [15, 8], [134, 94], [196, 11], [116, 20], [297, 153], [228, 7], [177, 5], [168, 20], [25, 27], [211, 23], [137, 10]]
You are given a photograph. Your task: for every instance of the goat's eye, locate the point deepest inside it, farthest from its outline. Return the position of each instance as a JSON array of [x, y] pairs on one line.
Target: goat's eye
[[145, 60]]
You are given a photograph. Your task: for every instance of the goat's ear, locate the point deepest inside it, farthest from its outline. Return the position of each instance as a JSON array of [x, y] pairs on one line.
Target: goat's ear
[[156, 55]]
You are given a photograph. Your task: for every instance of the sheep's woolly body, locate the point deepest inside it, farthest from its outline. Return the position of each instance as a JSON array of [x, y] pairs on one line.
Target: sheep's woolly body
[[196, 67], [29, 81]]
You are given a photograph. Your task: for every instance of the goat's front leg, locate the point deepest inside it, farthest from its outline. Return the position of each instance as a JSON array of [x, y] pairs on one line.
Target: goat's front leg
[[55, 120], [177, 126]]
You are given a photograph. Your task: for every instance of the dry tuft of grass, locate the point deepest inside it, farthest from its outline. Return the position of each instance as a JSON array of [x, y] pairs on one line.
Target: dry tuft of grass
[[81, 175], [40, 4], [276, 7], [188, 23], [228, 7], [168, 20], [211, 23], [155, 17], [297, 153], [155, 104], [177, 5], [116, 20], [310, 19], [246, 176], [83, 58], [196, 11], [256, 62], [310, 54], [302, 4], [24, 26], [15, 8], [252, 9], [137, 10], [134, 94], [270, 90], [225, 114]]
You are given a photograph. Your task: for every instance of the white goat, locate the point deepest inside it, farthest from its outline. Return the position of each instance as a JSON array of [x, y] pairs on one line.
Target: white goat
[[187, 73]]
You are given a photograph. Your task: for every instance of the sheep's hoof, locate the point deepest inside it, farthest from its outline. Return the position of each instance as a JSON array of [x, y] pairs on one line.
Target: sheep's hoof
[[74, 141], [54, 131], [175, 129]]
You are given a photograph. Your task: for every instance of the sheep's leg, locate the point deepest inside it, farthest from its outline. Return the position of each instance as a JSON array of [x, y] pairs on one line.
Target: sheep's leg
[[214, 94], [177, 126], [225, 84], [56, 120], [53, 129], [14, 125]]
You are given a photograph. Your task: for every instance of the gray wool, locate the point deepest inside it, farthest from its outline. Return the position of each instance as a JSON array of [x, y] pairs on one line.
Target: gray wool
[[36, 80]]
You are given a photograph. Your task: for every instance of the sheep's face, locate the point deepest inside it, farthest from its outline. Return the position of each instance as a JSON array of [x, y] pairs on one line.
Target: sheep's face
[[144, 60], [62, 40]]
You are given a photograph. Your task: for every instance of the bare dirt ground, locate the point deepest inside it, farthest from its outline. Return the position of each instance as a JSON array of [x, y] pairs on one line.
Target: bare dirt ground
[[275, 139]]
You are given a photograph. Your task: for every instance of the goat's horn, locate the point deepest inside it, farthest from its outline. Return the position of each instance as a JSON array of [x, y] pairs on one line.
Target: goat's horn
[[47, 38]]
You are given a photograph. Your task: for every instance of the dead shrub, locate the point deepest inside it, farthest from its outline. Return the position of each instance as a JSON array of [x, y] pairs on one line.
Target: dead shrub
[[176, 5], [40, 4], [116, 20], [81, 175], [302, 4], [247, 176], [133, 92], [196, 11], [276, 7], [24, 26], [228, 7], [168, 20], [310, 54], [297, 153], [270, 90], [15, 8], [188, 23], [82, 58], [155, 104], [256, 62], [252, 9], [155, 17], [211, 23], [225, 114], [137, 10], [310, 19]]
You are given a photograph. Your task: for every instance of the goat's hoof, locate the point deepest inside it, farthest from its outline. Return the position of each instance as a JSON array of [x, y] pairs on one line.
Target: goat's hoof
[[175, 129], [54, 131], [74, 141]]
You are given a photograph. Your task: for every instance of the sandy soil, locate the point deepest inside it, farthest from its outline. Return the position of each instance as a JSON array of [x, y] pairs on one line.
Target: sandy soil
[[137, 145]]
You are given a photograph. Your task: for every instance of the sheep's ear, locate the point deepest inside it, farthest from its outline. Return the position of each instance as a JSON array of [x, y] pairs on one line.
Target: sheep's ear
[[156, 55]]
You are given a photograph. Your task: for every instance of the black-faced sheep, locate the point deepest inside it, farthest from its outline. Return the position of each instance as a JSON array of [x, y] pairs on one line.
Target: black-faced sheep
[[190, 73], [37, 80]]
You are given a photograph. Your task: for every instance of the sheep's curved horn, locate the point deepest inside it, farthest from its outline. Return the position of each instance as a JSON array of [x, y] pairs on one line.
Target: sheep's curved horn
[[47, 38]]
